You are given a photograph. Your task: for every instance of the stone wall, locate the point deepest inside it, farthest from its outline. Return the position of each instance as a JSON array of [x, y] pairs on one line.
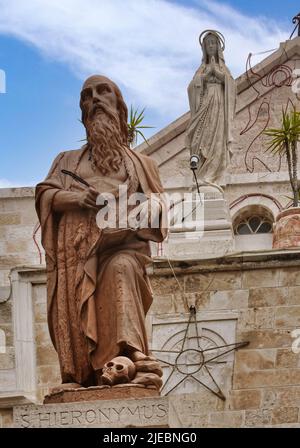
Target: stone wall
[[17, 223], [265, 293], [259, 106], [263, 290]]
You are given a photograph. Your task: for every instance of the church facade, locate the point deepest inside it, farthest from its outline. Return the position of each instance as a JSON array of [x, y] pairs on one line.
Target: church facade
[[225, 320]]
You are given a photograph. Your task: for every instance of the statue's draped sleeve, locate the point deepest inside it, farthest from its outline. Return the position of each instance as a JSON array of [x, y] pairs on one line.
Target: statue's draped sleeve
[[195, 91], [230, 104], [49, 220]]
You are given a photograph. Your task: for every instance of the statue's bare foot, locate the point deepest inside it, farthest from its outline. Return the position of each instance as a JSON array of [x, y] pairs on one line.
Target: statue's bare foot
[[147, 365], [139, 356], [148, 380], [148, 370]]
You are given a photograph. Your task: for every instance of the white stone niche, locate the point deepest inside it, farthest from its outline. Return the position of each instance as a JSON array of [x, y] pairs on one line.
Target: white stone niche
[[19, 385]]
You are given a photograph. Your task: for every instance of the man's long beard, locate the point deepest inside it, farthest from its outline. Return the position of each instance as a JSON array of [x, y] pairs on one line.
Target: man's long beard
[[105, 140]]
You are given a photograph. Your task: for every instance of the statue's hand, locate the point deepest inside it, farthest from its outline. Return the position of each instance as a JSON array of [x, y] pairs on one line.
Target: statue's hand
[[213, 65], [210, 71], [87, 199], [220, 75]]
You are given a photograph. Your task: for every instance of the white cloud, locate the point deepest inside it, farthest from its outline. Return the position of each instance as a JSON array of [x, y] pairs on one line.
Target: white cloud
[[149, 47], [5, 183]]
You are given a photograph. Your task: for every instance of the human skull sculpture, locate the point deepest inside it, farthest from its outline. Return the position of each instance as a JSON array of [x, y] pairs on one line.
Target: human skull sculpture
[[119, 370]]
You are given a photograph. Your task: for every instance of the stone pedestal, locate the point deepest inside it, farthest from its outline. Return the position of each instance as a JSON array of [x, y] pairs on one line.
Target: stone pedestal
[[143, 412], [205, 232], [119, 392]]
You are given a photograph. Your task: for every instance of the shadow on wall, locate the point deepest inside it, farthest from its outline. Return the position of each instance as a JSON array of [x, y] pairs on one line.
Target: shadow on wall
[[2, 341]]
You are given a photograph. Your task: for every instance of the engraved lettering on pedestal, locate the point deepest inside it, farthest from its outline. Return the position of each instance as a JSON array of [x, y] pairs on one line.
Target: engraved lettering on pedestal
[[142, 412], [90, 416], [76, 415]]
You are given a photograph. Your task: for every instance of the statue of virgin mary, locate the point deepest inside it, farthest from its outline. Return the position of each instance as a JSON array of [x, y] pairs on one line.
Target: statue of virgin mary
[[212, 96]]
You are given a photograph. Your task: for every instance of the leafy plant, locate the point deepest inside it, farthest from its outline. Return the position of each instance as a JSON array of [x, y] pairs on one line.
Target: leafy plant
[[283, 141], [134, 126]]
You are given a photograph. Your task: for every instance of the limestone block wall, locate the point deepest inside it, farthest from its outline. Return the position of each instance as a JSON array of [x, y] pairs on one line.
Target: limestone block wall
[[266, 295], [263, 290], [45, 372], [17, 222], [48, 373]]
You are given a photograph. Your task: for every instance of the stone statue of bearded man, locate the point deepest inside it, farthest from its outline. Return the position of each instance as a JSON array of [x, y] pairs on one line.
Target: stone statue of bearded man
[[97, 289]]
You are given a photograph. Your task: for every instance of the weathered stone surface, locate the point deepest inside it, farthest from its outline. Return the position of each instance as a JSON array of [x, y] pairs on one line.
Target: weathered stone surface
[[250, 360], [290, 277], [287, 317], [267, 338], [285, 415], [6, 418], [163, 303], [199, 300], [229, 299], [40, 295], [120, 392], [245, 399], [288, 396], [258, 419], [191, 410], [165, 285], [188, 245], [8, 330], [266, 378], [222, 281], [46, 355], [294, 295], [196, 283], [49, 374], [263, 297], [9, 219], [233, 419], [287, 359], [269, 398], [7, 359], [40, 312], [260, 278], [42, 334], [6, 312], [256, 318], [147, 412], [17, 246]]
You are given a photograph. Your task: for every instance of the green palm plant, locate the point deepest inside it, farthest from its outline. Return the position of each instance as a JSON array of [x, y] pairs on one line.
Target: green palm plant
[[134, 126], [283, 141]]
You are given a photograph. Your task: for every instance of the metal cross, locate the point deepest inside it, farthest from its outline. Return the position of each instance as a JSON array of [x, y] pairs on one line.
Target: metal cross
[[296, 20]]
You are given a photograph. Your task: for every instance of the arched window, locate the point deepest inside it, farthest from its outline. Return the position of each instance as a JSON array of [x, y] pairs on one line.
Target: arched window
[[253, 220], [254, 224]]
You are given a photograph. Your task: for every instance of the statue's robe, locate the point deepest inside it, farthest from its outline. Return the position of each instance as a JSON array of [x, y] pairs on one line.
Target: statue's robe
[[98, 292], [209, 132]]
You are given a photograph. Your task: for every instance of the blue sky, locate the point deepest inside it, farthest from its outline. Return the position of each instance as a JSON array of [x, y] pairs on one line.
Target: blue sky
[[149, 47]]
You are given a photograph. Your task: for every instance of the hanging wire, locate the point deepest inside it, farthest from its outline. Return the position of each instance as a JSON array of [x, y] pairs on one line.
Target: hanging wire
[[35, 231]]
